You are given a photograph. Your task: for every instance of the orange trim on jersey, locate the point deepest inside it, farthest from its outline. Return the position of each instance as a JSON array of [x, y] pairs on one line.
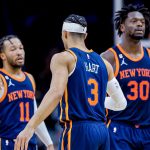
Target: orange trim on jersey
[[108, 123], [61, 110], [128, 56], [69, 137], [88, 51], [62, 142], [66, 108], [116, 61], [5, 88], [12, 76], [73, 54], [32, 81], [106, 110], [66, 101]]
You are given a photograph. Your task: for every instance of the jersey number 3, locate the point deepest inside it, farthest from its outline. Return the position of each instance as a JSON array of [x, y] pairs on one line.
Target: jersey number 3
[[94, 91]]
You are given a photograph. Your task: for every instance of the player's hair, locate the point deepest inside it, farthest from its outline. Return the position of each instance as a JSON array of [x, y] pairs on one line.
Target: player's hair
[[5, 38], [76, 19], [121, 15]]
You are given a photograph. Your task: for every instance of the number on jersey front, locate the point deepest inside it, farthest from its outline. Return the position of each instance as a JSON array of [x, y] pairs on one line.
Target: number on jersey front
[[139, 90], [24, 111]]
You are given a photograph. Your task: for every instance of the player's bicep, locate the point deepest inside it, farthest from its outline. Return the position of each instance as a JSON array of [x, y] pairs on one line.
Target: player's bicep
[[109, 56], [59, 69], [3, 88], [109, 70]]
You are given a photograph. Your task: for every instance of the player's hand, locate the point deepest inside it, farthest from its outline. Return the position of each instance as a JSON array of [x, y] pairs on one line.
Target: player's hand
[[21, 142], [50, 147]]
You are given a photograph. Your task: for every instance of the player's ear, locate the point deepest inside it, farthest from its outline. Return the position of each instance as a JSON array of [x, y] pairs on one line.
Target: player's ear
[[2, 56], [65, 34], [85, 35], [122, 27]]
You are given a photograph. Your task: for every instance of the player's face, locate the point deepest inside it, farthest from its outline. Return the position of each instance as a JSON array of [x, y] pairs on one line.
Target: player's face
[[134, 25], [13, 54]]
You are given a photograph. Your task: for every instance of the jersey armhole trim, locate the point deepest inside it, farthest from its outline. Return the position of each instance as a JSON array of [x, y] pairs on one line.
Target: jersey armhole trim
[[5, 88], [32, 82], [74, 55], [116, 61], [148, 50], [108, 123], [128, 56]]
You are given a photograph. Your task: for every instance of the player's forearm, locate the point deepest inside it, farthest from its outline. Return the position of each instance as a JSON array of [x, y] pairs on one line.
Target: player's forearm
[[113, 105], [48, 104], [43, 134], [117, 100]]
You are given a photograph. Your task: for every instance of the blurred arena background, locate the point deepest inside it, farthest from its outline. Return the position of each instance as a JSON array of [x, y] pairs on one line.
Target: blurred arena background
[[38, 24]]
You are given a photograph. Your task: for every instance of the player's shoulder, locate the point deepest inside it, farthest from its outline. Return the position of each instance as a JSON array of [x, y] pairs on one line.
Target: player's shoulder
[[64, 56], [108, 65], [108, 54], [109, 68], [29, 74]]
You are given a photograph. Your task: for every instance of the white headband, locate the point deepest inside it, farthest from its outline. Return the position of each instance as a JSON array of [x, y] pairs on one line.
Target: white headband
[[73, 27]]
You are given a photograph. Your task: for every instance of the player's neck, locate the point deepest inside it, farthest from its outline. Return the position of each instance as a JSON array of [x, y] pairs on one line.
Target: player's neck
[[17, 72], [82, 47], [133, 47], [78, 44]]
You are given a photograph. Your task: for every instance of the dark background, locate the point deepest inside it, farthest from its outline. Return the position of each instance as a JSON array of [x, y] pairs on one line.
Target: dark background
[[38, 24]]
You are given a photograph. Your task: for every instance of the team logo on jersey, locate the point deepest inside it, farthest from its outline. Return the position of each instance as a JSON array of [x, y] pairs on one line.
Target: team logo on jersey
[[10, 82], [123, 60], [120, 56]]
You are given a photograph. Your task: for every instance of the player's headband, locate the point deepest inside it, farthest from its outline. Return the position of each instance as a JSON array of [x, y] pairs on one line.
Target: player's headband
[[73, 27]]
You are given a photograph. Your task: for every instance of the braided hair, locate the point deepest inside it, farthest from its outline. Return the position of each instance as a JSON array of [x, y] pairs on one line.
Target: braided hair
[[121, 15], [76, 19], [5, 38]]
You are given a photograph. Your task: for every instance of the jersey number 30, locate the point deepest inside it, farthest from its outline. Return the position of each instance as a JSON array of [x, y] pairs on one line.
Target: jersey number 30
[[139, 90]]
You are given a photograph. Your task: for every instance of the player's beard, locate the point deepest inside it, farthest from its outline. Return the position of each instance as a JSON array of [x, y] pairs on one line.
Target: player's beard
[[16, 65], [137, 37]]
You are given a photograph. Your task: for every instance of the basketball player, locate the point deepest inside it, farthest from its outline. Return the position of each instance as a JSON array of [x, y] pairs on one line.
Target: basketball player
[[130, 129], [17, 96], [79, 81]]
